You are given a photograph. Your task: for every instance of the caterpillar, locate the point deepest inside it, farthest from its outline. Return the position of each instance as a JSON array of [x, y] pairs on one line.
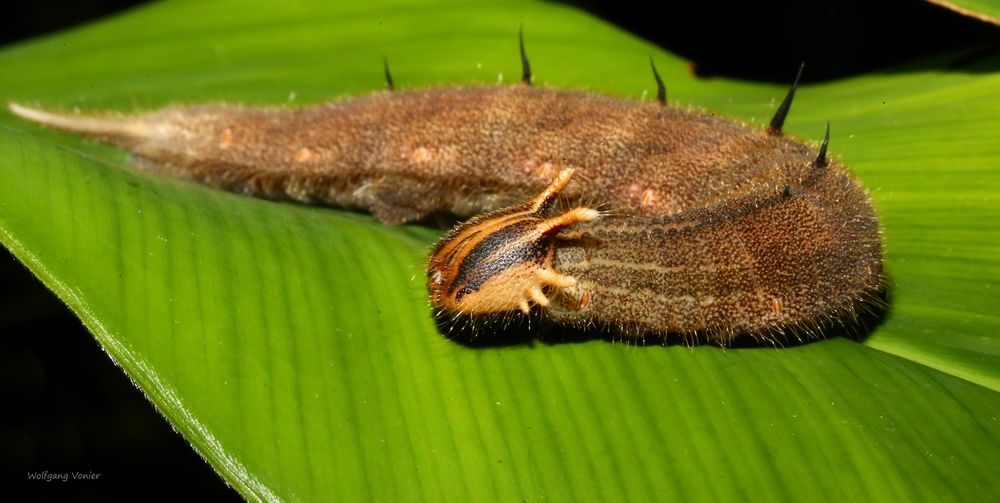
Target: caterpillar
[[707, 228]]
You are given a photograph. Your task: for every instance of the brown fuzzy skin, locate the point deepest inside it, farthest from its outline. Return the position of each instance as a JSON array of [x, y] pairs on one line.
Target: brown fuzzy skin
[[701, 236], [759, 265]]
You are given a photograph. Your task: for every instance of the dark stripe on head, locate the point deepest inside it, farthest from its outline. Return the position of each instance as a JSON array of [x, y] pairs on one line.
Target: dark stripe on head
[[496, 253]]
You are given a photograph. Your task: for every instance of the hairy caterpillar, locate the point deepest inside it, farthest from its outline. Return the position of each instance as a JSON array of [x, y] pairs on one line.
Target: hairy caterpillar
[[710, 228]]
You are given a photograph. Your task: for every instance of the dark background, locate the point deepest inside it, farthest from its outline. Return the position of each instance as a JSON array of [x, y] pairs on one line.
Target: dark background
[[68, 408]]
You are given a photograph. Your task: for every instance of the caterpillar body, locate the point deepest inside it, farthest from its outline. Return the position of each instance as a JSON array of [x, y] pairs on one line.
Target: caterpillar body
[[707, 227]]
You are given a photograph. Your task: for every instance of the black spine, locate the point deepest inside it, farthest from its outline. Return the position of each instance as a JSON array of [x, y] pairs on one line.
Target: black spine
[[779, 116], [661, 90], [389, 85], [525, 66], [820, 161]]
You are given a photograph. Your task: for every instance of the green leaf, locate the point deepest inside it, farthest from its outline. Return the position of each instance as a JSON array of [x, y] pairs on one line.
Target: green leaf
[[293, 346], [983, 10]]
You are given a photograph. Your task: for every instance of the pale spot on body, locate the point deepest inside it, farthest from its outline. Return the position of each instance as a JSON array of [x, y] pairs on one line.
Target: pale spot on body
[[226, 140], [545, 170], [635, 191], [648, 198], [421, 154], [304, 154], [645, 196]]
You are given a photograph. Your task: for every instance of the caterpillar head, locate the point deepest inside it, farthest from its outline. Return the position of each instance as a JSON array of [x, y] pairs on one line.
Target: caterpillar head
[[502, 261]]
